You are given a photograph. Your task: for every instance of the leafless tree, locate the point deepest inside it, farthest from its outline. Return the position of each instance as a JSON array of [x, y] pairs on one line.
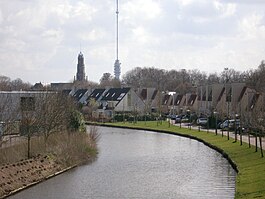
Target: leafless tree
[[108, 80], [90, 108], [213, 78], [18, 84], [258, 121], [53, 111], [28, 119], [6, 84]]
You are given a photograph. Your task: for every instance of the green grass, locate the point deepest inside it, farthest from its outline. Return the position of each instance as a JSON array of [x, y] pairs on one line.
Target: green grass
[[250, 181]]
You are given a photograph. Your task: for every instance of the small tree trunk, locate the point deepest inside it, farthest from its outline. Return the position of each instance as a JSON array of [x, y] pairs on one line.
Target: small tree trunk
[[235, 135], [249, 145], [28, 146], [260, 142], [228, 134], [45, 142], [256, 142], [240, 135]]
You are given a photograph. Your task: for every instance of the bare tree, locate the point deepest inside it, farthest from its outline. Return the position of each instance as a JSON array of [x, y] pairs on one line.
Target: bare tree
[[5, 83], [18, 84], [134, 78], [28, 119], [53, 111], [90, 108], [108, 80], [213, 78], [258, 121]]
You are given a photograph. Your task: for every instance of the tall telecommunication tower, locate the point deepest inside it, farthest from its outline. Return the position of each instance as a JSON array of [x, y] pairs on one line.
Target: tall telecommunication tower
[[117, 64]]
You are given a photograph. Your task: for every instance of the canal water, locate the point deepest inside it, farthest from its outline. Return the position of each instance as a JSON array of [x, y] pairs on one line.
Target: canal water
[[135, 164]]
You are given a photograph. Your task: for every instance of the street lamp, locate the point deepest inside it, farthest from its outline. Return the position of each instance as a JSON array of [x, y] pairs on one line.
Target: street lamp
[[189, 112], [103, 115], [235, 126], [181, 109], [215, 114], [173, 105], [228, 98]]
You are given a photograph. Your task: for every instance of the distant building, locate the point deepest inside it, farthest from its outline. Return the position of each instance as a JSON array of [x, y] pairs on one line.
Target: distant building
[[61, 86], [80, 75], [38, 87]]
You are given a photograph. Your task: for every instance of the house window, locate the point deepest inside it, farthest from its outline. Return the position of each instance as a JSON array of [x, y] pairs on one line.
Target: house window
[[27, 103], [121, 96]]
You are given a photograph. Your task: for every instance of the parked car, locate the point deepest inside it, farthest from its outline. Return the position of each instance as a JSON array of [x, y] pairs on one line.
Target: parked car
[[202, 121], [178, 118], [185, 118], [173, 117], [230, 124]]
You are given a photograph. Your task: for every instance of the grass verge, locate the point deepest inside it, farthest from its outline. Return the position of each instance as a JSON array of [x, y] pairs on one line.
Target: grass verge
[[250, 181]]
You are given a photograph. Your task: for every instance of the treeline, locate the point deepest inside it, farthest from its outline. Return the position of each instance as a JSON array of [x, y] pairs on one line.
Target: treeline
[[187, 80], [6, 84]]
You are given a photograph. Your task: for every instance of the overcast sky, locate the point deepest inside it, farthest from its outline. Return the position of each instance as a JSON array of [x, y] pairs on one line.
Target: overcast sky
[[40, 40]]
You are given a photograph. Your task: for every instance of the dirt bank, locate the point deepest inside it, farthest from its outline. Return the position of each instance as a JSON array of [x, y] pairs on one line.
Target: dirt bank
[[17, 176]]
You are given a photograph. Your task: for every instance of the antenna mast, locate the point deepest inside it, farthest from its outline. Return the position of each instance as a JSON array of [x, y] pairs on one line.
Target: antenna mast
[[117, 31], [117, 64]]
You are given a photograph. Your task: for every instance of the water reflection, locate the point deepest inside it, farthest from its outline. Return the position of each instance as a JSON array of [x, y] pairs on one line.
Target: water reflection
[[139, 164]]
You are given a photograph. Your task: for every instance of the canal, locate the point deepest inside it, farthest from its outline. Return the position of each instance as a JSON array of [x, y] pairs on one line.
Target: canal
[[140, 164]]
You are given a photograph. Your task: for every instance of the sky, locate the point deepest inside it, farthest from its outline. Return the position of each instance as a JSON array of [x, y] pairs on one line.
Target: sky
[[40, 40]]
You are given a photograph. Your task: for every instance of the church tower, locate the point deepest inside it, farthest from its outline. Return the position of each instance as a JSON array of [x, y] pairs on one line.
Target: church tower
[[80, 75]]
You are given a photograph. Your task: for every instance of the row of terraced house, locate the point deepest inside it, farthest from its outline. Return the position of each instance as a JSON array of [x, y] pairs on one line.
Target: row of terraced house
[[224, 99], [227, 100]]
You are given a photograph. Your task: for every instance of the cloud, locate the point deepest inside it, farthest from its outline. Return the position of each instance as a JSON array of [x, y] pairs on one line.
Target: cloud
[[226, 10], [148, 9], [40, 40], [252, 27]]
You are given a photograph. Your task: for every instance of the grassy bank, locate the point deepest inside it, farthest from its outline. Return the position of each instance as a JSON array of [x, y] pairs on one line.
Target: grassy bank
[[250, 182]]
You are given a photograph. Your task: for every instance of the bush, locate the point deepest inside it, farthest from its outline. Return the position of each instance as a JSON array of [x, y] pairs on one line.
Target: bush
[[77, 122]]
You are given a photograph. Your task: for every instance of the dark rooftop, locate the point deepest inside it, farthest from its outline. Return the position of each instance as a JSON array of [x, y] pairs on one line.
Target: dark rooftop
[[79, 94], [115, 94], [96, 94]]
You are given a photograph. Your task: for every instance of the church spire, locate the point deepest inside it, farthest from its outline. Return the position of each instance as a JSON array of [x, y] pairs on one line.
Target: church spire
[[80, 75]]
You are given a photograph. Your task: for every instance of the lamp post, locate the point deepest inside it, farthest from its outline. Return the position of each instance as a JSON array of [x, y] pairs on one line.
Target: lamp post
[[260, 121], [215, 114], [173, 105], [181, 109], [188, 111], [235, 126], [103, 115], [228, 98]]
